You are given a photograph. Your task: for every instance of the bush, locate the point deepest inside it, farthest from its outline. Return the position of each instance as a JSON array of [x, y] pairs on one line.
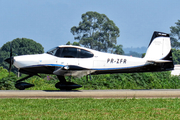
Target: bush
[[7, 80], [7, 83], [3, 72]]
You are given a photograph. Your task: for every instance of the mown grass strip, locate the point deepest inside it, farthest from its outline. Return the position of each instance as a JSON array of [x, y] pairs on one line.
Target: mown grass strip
[[77, 109]]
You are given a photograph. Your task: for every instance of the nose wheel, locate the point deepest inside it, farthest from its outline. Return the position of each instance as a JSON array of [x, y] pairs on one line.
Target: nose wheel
[[23, 85]]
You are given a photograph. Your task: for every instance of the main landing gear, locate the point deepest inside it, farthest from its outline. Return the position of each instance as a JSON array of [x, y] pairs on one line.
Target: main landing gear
[[64, 85]]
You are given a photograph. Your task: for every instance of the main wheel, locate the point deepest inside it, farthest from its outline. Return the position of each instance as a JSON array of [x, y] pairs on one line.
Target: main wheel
[[67, 86]]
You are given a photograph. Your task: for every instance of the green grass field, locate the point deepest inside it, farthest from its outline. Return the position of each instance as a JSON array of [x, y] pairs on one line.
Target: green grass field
[[87, 109], [97, 109]]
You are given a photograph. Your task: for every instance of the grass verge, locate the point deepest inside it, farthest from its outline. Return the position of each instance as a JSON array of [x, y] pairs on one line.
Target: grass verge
[[77, 109]]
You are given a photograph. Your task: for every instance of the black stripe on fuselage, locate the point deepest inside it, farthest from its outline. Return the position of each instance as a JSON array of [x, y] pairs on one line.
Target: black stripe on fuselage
[[47, 69], [38, 69], [156, 67]]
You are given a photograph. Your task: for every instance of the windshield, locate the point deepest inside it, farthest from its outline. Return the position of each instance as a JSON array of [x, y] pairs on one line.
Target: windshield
[[52, 51]]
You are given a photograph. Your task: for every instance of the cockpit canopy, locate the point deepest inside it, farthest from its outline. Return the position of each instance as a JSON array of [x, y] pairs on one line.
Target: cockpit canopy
[[70, 52]]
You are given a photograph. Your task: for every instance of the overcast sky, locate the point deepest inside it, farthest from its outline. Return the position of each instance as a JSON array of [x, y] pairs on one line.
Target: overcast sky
[[48, 22]]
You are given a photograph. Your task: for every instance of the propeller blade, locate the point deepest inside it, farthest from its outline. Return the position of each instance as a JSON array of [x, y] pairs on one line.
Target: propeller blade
[[10, 49], [10, 61], [10, 65]]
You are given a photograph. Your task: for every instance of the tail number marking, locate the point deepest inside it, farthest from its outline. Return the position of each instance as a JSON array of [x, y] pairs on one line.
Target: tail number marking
[[118, 61]]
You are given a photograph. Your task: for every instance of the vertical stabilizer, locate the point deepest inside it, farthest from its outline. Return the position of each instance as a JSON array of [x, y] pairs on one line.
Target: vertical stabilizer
[[159, 51], [159, 47]]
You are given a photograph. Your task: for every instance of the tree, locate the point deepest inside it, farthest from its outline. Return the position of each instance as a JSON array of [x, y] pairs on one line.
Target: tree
[[68, 43], [96, 31], [118, 50], [143, 55], [134, 54], [20, 46], [175, 35], [176, 56], [74, 43]]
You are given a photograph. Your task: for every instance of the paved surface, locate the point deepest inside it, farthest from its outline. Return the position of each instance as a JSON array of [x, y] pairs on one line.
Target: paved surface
[[153, 93]]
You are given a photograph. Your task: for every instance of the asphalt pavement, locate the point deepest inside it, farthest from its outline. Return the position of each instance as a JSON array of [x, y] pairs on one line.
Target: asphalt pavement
[[150, 93]]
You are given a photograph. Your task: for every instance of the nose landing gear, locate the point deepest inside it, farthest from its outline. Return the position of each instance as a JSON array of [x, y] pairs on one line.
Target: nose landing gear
[[23, 85]]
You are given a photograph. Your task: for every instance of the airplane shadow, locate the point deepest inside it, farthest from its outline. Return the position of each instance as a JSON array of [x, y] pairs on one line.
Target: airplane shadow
[[81, 91], [140, 89], [62, 90]]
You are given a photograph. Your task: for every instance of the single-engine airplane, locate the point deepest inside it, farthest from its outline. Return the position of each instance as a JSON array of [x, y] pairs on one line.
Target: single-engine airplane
[[68, 60]]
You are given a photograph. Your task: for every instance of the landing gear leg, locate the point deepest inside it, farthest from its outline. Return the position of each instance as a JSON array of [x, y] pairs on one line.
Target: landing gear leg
[[62, 79], [23, 85], [64, 85]]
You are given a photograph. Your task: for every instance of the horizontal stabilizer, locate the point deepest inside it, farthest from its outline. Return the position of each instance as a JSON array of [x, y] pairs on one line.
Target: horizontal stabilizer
[[159, 61]]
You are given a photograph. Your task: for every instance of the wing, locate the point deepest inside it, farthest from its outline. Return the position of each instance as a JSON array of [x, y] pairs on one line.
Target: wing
[[73, 71]]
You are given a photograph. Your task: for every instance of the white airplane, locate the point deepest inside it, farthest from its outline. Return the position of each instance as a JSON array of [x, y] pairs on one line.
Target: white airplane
[[68, 60]]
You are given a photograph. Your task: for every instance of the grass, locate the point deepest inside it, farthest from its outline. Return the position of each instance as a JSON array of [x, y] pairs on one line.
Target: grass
[[78, 109]]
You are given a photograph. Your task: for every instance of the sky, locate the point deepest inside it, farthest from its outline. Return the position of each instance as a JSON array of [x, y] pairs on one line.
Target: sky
[[48, 22]]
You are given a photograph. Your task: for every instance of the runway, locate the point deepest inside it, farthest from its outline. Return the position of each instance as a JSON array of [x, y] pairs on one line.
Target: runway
[[152, 93]]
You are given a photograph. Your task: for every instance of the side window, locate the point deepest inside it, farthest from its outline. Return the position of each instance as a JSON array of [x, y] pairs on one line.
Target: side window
[[85, 54], [69, 52], [58, 52]]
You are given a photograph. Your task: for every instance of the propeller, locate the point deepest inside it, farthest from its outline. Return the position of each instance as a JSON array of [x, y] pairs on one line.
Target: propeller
[[11, 59]]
